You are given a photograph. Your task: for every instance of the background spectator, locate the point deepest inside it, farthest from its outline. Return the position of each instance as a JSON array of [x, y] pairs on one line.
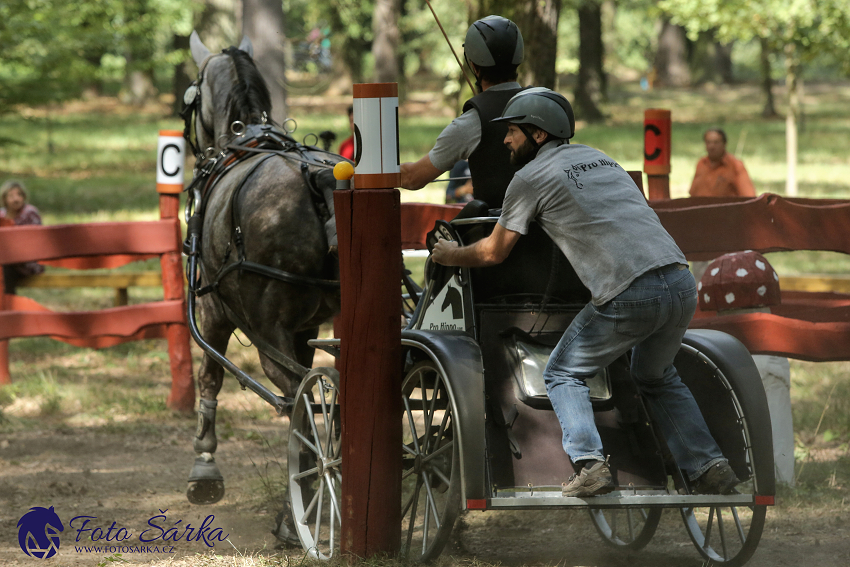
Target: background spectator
[[16, 210], [720, 174], [459, 189]]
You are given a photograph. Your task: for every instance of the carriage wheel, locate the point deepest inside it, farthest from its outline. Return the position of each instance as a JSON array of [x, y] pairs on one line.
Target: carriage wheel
[[315, 477], [430, 498], [626, 528], [725, 535]]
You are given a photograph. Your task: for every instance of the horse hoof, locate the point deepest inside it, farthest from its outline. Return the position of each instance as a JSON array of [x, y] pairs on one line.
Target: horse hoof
[[285, 531], [206, 485], [206, 491]]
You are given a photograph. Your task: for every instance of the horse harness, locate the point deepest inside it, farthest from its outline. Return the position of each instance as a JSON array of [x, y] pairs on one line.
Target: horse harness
[[248, 141]]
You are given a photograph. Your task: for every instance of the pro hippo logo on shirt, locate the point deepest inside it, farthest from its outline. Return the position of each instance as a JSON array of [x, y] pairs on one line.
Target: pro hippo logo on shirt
[[577, 169]]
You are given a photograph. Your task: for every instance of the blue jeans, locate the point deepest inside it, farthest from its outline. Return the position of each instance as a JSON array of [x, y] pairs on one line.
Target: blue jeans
[[649, 317]]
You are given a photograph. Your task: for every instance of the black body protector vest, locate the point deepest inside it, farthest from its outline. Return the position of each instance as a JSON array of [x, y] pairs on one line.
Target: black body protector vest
[[490, 163]]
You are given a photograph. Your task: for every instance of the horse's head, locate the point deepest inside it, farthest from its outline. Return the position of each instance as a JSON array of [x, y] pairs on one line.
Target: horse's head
[[229, 89]]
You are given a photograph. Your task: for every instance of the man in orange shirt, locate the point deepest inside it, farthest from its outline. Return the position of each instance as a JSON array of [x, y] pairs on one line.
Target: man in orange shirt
[[720, 174]]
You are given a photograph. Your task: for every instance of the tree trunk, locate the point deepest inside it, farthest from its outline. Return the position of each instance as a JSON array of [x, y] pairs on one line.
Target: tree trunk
[[262, 23], [769, 110], [182, 75], [591, 53], [385, 44], [219, 23], [723, 62], [671, 60], [792, 67], [540, 35]]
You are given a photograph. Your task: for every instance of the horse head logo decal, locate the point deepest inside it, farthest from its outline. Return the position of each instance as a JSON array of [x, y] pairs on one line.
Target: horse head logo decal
[[38, 532], [454, 300]]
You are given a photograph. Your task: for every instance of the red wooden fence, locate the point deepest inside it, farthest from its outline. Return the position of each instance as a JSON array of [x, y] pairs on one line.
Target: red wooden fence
[[806, 325], [102, 245]]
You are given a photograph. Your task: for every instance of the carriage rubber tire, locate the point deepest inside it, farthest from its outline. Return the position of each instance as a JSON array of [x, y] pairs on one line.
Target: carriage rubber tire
[[753, 535], [429, 487], [612, 533], [734, 531]]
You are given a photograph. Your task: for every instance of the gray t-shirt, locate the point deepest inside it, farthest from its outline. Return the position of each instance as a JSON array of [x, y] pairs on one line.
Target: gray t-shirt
[[594, 213], [459, 139]]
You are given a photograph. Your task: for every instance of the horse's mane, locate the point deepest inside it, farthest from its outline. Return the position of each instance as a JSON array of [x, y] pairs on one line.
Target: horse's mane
[[249, 97]]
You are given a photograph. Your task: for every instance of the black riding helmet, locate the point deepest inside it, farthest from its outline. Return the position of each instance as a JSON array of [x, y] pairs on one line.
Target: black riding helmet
[[493, 41], [548, 110]]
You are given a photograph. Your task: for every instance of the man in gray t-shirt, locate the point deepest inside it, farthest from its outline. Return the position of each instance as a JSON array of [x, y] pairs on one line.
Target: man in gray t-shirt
[[643, 295]]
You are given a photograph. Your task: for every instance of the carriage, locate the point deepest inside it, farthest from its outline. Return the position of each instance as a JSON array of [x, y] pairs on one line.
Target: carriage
[[479, 432]]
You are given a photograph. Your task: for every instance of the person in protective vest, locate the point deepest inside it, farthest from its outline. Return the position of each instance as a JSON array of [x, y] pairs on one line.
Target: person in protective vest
[[493, 50]]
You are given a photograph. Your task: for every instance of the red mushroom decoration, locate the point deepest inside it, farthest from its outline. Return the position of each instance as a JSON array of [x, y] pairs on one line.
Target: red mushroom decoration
[[740, 280]]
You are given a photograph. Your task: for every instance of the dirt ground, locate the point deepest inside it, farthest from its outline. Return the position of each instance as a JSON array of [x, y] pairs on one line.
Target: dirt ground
[[128, 477], [125, 474]]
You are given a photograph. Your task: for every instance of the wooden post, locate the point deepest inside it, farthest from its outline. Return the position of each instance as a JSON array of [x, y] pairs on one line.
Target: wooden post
[[5, 376], [169, 185], [657, 128], [369, 233]]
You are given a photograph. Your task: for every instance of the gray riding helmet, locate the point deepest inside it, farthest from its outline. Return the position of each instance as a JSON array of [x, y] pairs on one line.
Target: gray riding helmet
[[541, 107], [493, 41]]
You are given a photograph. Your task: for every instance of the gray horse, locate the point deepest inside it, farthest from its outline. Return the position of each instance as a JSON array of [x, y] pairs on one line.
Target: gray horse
[[268, 197]]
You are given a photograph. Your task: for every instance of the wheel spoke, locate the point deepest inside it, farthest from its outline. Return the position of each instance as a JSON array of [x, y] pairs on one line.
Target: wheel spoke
[[434, 454], [739, 526], [412, 425], [309, 509], [306, 473], [312, 421], [306, 442], [722, 533], [328, 415], [321, 493], [708, 528]]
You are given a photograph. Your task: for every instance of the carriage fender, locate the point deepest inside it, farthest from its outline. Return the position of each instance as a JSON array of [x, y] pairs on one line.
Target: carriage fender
[[459, 358], [735, 361]]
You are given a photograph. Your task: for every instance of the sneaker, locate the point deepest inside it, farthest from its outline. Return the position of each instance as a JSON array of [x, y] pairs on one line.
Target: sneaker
[[718, 479], [591, 481]]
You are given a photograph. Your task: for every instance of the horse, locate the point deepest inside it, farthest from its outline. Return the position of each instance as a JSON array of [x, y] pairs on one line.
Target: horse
[[258, 211]]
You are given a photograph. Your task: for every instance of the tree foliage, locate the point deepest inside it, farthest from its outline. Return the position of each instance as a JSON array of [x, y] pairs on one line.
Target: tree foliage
[[51, 50]]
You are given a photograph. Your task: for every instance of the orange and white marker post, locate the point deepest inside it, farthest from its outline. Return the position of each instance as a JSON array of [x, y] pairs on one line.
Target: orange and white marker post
[[170, 165], [657, 128], [368, 220]]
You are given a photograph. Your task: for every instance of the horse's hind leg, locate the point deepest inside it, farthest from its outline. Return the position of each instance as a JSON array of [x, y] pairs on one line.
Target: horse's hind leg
[[303, 353], [206, 485]]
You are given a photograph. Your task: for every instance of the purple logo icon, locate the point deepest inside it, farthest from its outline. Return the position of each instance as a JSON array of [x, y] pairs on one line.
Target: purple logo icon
[[38, 532]]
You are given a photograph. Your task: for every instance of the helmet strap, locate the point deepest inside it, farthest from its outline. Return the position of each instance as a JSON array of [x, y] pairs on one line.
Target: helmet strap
[[476, 75], [529, 137]]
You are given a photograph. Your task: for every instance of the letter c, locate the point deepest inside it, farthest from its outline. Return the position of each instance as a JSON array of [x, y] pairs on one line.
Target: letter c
[[165, 149], [654, 155]]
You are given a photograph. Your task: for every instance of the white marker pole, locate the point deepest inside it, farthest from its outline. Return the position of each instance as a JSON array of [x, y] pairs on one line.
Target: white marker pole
[[170, 162]]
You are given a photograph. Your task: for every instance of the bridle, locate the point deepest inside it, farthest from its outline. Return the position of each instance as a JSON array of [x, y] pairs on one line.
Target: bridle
[[191, 110]]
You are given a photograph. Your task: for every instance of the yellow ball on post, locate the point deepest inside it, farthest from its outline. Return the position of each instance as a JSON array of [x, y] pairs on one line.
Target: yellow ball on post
[[343, 171]]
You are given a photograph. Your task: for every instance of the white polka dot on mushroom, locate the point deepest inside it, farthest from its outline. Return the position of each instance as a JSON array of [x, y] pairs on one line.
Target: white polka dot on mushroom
[[714, 271], [761, 290], [706, 298], [741, 272], [730, 297], [759, 264]]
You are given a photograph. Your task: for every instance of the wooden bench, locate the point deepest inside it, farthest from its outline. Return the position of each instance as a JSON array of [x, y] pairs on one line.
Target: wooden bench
[[118, 281]]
